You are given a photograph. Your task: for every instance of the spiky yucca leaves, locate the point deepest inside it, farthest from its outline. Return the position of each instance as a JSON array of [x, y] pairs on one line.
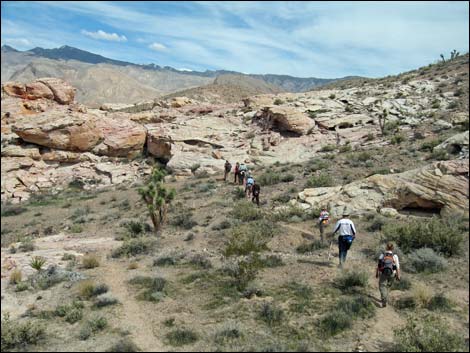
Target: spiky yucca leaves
[[157, 198]]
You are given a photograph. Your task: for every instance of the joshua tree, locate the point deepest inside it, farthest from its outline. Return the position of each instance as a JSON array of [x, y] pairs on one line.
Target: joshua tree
[[157, 198], [442, 57], [382, 120], [454, 54]]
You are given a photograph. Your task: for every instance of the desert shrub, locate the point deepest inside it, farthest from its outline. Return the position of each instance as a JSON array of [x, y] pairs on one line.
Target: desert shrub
[[332, 96], [183, 219], [334, 322], [376, 223], [350, 281], [90, 261], [429, 145], [316, 164], [88, 289], [73, 315], [407, 302], [439, 302], [422, 294], [22, 286], [165, 261], [200, 261], [124, 345], [272, 261], [439, 154], [92, 326], [435, 104], [227, 333], [328, 148], [103, 301], [153, 287], [134, 247], [170, 322], [15, 277], [37, 262], [181, 337], [243, 272], [68, 257], [287, 178], [238, 193], [76, 228], [18, 336], [397, 139], [345, 148], [321, 180], [269, 178], [427, 334], [225, 224], [12, 210], [403, 284], [134, 228], [271, 314], [278, 101], [250, 238], [309, 247], [27, 245], [442, 235], [283, 198], [245, 211], [426, 260]]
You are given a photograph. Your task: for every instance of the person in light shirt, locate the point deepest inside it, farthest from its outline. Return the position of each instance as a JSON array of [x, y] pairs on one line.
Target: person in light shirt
[[388, 269], [347, 233]]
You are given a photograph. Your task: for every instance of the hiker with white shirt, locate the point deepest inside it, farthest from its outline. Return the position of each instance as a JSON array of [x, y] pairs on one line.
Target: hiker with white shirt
[[347, 233], [388, 269]]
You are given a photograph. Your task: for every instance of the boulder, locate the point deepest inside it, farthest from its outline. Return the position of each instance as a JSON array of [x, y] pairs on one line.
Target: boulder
[[159, 143], [286, 119], [178, 102], [21, 151], [455, 143], [63, 92], [37, 90]]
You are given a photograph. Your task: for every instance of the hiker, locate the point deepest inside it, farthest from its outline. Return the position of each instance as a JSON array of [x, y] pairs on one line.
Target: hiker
[[347, 233], [242, 172], [255, 189], [249, 184], [323, 221], [227, 169], [388, 269], [236, 172]]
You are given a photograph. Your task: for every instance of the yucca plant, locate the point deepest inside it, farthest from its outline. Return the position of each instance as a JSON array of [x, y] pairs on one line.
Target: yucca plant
[[157, 198], [37, 262]]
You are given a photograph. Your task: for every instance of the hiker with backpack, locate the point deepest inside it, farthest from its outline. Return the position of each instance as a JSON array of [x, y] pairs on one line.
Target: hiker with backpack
[[347, 234], [323, 221], [242, 173], [249, 184], [236, 172], [227, 169], [388, 269], [255, 189]]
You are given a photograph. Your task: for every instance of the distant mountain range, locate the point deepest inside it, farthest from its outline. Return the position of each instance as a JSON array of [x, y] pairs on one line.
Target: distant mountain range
[[100, 79]]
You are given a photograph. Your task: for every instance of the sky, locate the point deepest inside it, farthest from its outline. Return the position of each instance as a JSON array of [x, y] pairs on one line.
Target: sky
[[303, 39]]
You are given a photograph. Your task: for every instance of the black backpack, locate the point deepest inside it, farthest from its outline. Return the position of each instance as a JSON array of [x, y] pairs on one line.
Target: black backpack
[[388, 264]]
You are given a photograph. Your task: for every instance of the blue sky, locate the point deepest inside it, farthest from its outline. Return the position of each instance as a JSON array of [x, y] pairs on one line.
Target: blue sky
[[305, 39]]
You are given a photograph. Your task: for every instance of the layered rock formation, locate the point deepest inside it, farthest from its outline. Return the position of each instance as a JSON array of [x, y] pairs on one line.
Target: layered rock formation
[[440, 187]]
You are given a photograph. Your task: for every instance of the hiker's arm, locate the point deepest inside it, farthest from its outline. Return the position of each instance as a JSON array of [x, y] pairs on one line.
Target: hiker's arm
[[353, 230], [336, 228], [398, 274]]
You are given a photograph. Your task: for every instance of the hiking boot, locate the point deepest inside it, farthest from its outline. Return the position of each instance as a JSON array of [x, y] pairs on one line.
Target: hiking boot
[[384, 303]]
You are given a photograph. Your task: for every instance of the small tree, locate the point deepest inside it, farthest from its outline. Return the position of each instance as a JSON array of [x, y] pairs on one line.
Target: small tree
[[382, 120], [157, 198]]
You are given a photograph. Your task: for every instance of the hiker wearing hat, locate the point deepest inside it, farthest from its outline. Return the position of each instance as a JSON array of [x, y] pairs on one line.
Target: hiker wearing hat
[[347, 233], [388, 269]]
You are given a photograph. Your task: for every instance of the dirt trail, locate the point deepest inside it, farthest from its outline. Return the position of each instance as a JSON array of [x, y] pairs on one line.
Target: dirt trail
[[133, 315]]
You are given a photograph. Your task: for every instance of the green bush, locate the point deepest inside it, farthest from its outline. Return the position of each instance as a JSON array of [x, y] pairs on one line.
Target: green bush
[[397, 139], [183, 219], [429, 145], [439, 155], [316, 164], [71, 312], [200, 261], [227, 334], [245, 211], [408, 302], [328, 148], [153, 287], [134, 247], [93, 326], [124, 345], [18, 336], [345, 148], [287, 178], [272, 261], [403, 284], [27, 245], [181, 337], [426, 260], [439, 302], [165, 261], [250, 238], [90, 261], [225, 224], [88, 289], [134, 228], [335, 322], [321, 180], [243, 272], [442, 235], [427, 334], [103, 301], [37, 262], [271, 314], [350, 281], [278, 101], [238, 193], [332, 96], [269, 178]]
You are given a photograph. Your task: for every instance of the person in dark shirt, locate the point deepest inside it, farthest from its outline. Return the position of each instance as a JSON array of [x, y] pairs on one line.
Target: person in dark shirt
[[255, 189]]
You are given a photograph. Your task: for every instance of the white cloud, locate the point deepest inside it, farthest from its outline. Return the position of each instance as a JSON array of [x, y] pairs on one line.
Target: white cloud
[[157, 46], [105, 36], [184, 69], [18, 42]]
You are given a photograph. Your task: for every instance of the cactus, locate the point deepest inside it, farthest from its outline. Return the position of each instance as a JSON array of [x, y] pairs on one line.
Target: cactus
[[157, 198]]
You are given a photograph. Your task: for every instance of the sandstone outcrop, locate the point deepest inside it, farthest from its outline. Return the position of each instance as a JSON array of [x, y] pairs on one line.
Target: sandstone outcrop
[[286, 119], [47, 88], [440, 187]]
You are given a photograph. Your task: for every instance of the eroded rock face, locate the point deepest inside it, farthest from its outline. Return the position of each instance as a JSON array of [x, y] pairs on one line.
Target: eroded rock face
[[159, 143], [63, 92], [47, 88], [441, 187], [286, 119]]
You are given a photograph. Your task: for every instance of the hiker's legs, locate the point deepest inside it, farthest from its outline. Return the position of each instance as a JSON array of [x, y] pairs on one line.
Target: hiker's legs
[[385, 282], [257, 199], [225, 176], [322, 230], [342, 250]]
